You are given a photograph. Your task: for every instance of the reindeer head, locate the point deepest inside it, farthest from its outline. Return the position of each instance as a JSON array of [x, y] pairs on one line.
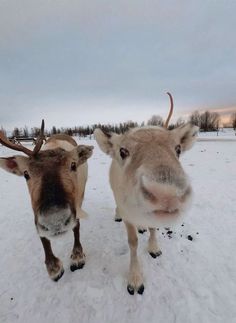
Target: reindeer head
[[146, 175], [52, 178]]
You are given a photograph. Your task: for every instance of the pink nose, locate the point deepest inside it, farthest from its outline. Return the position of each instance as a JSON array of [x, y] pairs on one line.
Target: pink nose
[[164, 198], [169, 204]]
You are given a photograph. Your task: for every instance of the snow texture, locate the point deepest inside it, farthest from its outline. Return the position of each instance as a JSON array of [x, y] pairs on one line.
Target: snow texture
[[193, 281]]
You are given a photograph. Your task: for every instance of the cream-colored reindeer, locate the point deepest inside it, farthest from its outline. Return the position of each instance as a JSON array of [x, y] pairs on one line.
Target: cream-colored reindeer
[[56, 177], [148, 182]]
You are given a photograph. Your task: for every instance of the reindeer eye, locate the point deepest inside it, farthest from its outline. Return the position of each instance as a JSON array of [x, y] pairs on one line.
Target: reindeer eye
[[26, 175], [178, 150], [124, 153], [73, 167]]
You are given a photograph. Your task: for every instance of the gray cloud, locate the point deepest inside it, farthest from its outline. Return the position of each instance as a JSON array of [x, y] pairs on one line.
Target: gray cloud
[[80, 62]]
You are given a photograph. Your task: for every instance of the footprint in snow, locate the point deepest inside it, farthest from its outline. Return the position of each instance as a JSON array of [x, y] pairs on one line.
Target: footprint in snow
[[121, 251]]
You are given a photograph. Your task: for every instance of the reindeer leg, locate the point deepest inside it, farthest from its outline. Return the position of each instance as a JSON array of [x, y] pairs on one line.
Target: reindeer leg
[[135, 280], [117, 215], [53, 264], [77, 255], [153, 248]]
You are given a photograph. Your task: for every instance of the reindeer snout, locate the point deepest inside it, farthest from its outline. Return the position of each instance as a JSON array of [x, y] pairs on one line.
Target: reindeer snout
[[55, 221], [165, 198]]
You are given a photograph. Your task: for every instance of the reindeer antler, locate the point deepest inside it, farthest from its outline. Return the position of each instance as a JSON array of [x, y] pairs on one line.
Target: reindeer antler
[[19, 147], [39, 141], [5, 142], [171, 110]]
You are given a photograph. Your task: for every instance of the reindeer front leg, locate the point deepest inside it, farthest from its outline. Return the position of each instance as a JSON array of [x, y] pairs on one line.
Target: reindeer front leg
[[77, 255], [53, 264], [135, 280], [153, 248]]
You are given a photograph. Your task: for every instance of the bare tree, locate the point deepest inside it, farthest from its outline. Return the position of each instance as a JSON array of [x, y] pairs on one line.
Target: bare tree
[[233, 120], [35, 131], [16, 132], [209, 121], [26, 132], [204, 121], [54, 130], [155, 120], [195, 118], [214, 121]]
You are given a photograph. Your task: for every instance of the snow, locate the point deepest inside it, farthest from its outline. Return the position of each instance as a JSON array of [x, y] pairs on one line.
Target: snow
[[225, 134], [193, 281]]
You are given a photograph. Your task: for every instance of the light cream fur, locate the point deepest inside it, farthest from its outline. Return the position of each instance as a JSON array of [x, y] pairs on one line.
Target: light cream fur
[[150, 186]]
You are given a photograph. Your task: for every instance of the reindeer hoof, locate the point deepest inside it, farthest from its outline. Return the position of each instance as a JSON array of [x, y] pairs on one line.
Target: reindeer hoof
[[77, 260], [55, 279], [74, 267], [135, 281], [155, 254], [55, 269], [130, 289], [142, 230], [118, 220], [140, 290]]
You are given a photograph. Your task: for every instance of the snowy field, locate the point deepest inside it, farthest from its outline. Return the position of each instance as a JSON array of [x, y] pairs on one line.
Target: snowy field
[[225, 134], [192, 282]]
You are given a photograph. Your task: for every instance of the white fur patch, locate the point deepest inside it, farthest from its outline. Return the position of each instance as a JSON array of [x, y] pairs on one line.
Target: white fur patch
[[141, 214], [55, 223]]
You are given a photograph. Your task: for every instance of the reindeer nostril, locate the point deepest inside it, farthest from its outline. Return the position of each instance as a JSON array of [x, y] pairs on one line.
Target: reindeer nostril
[[67, 221], [43, 227]]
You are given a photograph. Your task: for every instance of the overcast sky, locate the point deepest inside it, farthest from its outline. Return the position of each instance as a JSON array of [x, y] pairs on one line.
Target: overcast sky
[[82, 62]]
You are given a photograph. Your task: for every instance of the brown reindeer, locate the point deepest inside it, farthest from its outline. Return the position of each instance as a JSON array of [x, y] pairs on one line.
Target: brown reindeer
[[56, 177], [148, 182]]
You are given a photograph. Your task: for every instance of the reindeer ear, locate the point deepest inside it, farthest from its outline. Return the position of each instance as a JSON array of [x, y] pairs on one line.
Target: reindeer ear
[[15, 164], [83, 153], [105, 141], [185, 135]]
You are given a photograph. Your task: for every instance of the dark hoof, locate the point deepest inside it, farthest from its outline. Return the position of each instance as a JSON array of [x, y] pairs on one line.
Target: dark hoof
[[142, 230], [155, 254], [75, 267], [141, 290], [130, 289], [59, 276], [118, 220]]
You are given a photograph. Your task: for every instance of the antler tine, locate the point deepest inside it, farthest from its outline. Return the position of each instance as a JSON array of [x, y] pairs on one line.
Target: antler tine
[[5, 142], [40, 140], [171, 110]]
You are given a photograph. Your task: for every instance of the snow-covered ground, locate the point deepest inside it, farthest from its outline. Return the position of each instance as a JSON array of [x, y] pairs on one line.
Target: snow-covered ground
[[193, 281], [223, 134]]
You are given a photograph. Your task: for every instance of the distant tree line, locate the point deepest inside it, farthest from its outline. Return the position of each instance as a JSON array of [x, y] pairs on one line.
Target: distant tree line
[[207, 121], [81, 131]]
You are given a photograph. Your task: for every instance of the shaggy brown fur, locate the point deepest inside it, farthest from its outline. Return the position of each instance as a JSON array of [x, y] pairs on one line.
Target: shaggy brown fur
[[56, 177]]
